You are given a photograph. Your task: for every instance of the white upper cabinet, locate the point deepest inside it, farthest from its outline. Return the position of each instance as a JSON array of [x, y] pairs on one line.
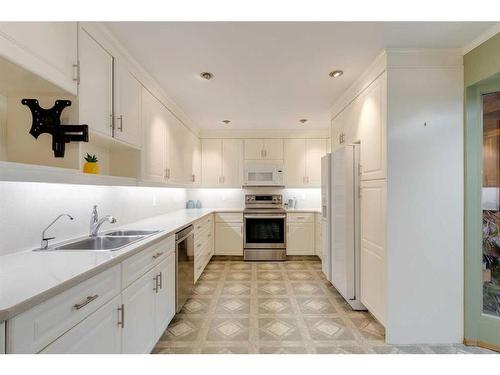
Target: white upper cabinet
[[372, 130], [222, 162], [196, 161], [315, 150], [211, 162], [232, 162], [303, 161], [263, 149], [48, 49], [154, 129], [127, 106], [95, 90], [295, 162], [175, 144]]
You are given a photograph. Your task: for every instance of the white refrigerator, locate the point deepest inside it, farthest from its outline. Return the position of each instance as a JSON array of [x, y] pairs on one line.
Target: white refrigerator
[[340, 222]]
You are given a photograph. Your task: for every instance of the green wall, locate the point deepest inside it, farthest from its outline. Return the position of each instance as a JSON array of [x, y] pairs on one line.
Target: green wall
[[483, 61]]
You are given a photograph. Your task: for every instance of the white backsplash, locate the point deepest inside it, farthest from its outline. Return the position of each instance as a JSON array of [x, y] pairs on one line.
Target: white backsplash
[[27, 208], [235, 198]]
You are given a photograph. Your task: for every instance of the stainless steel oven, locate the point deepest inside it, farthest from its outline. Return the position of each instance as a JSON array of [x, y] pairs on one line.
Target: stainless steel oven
[[264, 227]]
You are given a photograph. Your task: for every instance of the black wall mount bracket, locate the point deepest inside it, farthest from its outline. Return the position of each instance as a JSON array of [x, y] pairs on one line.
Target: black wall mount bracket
[[49, 121]]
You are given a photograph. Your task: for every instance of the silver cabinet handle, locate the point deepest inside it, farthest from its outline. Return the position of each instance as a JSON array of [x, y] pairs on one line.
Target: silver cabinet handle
[[112, 124], [89, 299], [157, 255], [160, 277], [120, 128], [155, 288], [76, 73], [121, 317]]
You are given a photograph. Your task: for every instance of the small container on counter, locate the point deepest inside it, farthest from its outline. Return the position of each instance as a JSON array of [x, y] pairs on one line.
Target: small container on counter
[[190, 204]]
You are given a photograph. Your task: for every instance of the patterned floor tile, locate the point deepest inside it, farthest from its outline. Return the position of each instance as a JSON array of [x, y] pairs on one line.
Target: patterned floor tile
[[276, 307], [279, 329], [224, 329]]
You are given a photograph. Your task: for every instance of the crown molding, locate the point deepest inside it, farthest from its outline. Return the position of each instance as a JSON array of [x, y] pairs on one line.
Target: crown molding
[[483, 37], [266, 133]]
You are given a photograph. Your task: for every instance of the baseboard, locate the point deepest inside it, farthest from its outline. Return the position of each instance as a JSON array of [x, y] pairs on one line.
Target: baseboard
[[482, 344]]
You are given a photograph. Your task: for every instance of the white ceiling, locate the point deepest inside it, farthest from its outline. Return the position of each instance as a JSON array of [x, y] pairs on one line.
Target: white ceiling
[[270, 75]]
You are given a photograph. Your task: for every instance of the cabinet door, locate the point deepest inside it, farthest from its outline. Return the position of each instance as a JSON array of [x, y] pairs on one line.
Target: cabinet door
[[99, 333], [154, 135], [139, 323], [229, 238], [2, 338], [295, 162], [273, 149], [315, 150], [176, 143], [95, 92], [373, 247], [211, 162], [196, 160], [232, 162], [48, 49], [372, 130], [254, 149], [165, 295], [128, 107], [300, 239]]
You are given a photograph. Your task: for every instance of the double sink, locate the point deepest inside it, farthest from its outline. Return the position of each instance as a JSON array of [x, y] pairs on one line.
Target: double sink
[[110, 241]]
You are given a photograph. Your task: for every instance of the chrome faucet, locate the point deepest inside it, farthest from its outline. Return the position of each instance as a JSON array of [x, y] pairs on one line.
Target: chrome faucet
[[45, 240], [95, 222]]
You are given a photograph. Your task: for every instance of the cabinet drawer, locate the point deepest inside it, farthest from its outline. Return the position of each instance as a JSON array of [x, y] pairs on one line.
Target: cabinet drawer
[[34, 329], [137, 265], [229, 217], [203, 223], [300, 218]]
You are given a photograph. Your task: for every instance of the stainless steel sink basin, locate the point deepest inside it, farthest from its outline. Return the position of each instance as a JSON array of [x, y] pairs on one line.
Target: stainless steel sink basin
[[130, 233], [101, 243]]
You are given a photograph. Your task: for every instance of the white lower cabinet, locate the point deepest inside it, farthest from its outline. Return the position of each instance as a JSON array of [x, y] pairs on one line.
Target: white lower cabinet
[[300, 234], [98, 334], [165, 295], [139, 312], [373, 247], [229, 234]]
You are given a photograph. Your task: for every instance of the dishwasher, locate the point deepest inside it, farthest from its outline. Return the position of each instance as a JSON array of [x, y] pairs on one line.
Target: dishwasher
[[184, 265]]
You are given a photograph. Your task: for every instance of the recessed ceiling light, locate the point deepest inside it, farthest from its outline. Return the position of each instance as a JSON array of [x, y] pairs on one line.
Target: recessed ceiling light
[[336, 73], [303, 120], [226, 121], [206, 75]]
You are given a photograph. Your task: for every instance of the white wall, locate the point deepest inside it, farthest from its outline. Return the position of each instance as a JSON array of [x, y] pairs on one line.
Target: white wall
[[27, 208], [235, 198], [425, 205]]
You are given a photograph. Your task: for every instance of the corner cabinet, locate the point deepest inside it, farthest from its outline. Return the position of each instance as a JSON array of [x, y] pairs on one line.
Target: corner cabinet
[[303, 162], [222, 162]]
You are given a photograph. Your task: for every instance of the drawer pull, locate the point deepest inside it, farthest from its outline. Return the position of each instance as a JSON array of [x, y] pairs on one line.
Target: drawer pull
[[89, 299], [198, 226], [155, 288], [157, 255], [199, 245], [160, 277]]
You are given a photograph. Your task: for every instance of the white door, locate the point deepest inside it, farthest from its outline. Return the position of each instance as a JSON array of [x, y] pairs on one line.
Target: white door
[[254, 149], [128, 106], [95, 91], [196, 167], [211, 162], [229, 238], [176, 143], [52, 49], [139, 323], [232, 162], [315, 150], [273, 149], [300, 239], [295, 162], [99, 333], [154, 136], [343, 216], [373, 247], [165, 296]]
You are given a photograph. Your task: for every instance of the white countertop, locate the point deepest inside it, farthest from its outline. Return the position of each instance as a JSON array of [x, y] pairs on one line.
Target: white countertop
[[28, 278]]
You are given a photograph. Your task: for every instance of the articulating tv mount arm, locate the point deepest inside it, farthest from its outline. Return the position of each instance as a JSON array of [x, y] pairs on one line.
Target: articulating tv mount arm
[[49, 121]]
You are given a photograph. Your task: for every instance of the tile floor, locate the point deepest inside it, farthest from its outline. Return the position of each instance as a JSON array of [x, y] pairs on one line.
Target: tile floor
[[276, 307]]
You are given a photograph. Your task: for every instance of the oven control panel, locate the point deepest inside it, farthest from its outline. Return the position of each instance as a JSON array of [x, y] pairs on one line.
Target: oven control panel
[[264, 200]]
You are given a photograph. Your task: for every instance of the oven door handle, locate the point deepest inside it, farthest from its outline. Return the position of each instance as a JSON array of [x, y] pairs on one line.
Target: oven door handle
[[265, 216]]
